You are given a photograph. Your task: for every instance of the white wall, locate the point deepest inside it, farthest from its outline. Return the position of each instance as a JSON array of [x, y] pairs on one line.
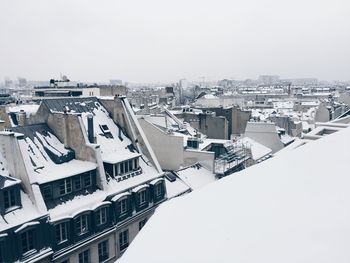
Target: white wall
[[91, 92], [167, 148], [204, 158]]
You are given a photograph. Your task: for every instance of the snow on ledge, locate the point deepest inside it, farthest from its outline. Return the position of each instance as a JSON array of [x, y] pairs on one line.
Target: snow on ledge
[[24, 226], [138, 188]]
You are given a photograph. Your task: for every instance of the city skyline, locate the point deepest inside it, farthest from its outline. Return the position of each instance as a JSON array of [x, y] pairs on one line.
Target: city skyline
[[159, 42]]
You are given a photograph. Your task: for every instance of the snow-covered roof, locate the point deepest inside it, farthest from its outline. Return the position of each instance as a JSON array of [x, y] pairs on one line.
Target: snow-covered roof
[[291, 208], [257, 149], [113, 148], [264, 133], [26, 213], [45, 156], [20, 215], [29, 109], [196, 176], [176, 188], [79, 204]]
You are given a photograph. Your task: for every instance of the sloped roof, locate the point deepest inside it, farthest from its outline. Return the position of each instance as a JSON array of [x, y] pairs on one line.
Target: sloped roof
[[291, 208], [75, 104], [46, 157]]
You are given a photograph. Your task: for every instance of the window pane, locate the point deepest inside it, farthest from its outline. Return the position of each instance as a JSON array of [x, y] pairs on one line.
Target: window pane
[[102, 216], [87, 180], [84, 257], [77, 183], [103, 251], [27, 241], [123, 206], [124, 239]]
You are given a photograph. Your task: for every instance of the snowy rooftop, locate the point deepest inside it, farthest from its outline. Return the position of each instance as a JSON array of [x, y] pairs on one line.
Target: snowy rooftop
[[196, 176], [46, 157], [115, 146], [29, 109], [291, 208], [176, 187], [26, 213], [258, 150], [78, 204]]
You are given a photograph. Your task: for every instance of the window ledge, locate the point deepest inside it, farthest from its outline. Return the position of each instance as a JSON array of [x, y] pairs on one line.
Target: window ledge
[[12, 208], [29, 253]]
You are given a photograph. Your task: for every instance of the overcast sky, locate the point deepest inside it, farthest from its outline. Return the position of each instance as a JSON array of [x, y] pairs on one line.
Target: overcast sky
[[160, 40]]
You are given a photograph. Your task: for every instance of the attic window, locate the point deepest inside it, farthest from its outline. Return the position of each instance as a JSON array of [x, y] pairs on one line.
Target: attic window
[[27, 241], [9, 198], [159, 189], [66, 186], [142, 195], [81, 224]]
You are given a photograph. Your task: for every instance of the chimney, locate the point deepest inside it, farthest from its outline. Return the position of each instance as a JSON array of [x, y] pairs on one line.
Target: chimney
[[21, 117], [90, 125]]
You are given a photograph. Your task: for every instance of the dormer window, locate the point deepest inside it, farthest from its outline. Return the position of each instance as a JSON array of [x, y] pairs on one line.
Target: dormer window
[[9, 198], [159, 189], [87, 180], [142, 195], [66, 186], [81, 224], [61, 232], [77, 183], [101, 216], [27, 241], [123, 206]]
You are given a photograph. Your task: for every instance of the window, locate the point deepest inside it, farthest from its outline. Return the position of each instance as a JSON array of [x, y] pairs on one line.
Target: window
[[121, 168], [27, 241], [126, 167], [66, 186], [9, 198], [84, 257], [103, 251], [81, 224], [77, 183], [62, 232], [159, 188], [123, 206], [135, 164], [142, 223], [123, 240], [130, 165], [1, 257], [87, 180], [101, 216], [47, 192], [142, 195]]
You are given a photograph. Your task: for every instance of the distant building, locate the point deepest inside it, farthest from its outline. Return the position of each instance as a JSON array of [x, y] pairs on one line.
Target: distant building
[[56, 89], [116, 82], [269, 79]]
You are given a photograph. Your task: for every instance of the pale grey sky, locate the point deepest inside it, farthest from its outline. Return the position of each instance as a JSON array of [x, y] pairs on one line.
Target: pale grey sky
[[160, 40]]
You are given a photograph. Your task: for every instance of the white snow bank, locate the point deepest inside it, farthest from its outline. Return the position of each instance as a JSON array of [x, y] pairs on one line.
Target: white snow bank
[[291, 208]]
